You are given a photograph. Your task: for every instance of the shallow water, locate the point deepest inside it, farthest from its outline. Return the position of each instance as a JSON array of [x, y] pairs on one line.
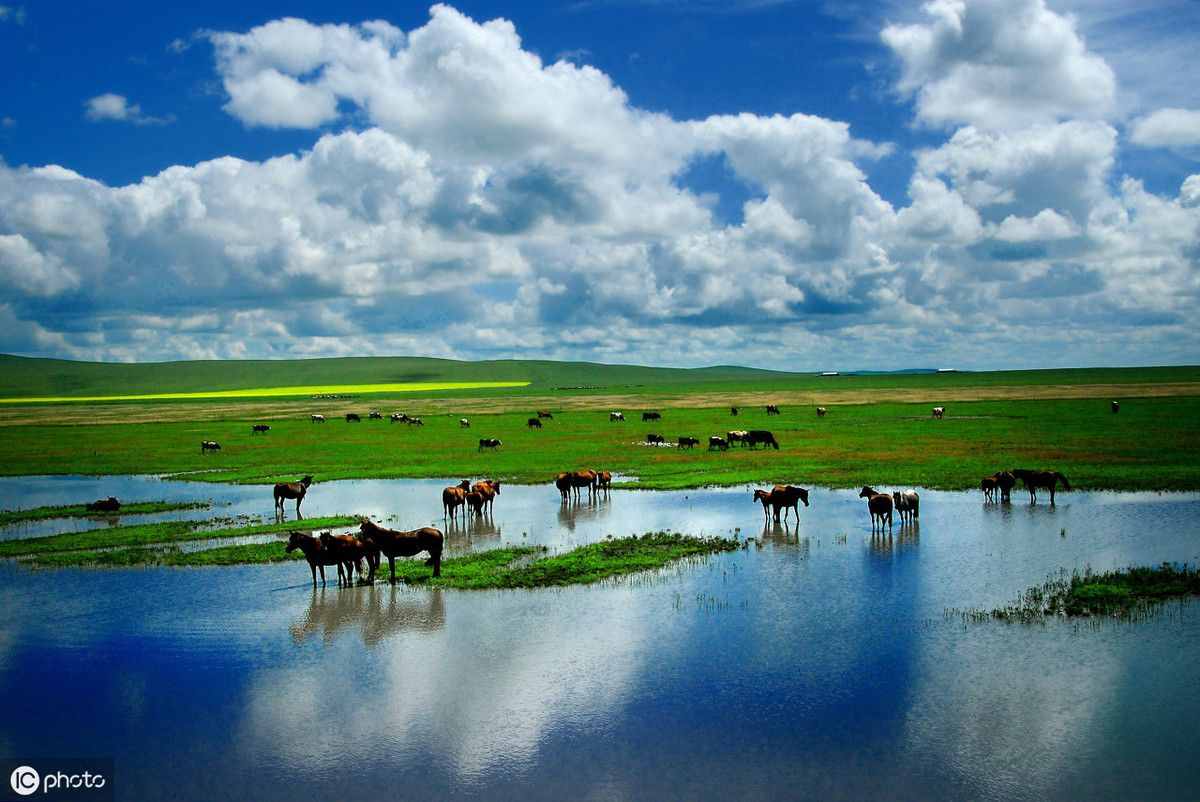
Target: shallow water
[[820, 663]]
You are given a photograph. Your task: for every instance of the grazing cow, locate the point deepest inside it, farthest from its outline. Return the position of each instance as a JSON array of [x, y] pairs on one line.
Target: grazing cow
[[821, 412], [541, 413], [489, 442], [737, 436], [393, 544], [733, 411], [756, 436], [908, 504], [260, 428], [314, 552], [534, 423], [375, 415], [1005, 481], [414, 421], [350, 552], [718, 442], [613, 417], [398, 417], [651, 416], [688, 442], [1040, 479], [989, 486], [209, 445], [488, 489], [655, 439], [563, 483], [939, 412], [463, 423], [286, 490], [772, 409], [1115, 406], [604, 481], [316, 419], [455, 497], [879, 505], [110, 504], [352, 417]]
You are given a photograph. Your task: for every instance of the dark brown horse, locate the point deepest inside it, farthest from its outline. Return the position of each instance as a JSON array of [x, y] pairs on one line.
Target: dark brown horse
[[603, 481], [584, 478], [563, 483], [260, 428], [989, 486], [908, 504], [350, 552], [392, 544], [288, 490], [314, 552], [455, 497], [788, 497], [879, 505], [1005, 481], [541, 413], [1040, 479]]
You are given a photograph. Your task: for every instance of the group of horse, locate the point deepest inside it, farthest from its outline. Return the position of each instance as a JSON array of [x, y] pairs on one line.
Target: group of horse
[[570, 484], [1001, 483], [880, 506], [349, 552], [478, 498], [781, 497]]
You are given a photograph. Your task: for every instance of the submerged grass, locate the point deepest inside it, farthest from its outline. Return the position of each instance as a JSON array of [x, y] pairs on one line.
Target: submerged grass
[[156, 533], [1123, 593], [509, 567], [81, 511]]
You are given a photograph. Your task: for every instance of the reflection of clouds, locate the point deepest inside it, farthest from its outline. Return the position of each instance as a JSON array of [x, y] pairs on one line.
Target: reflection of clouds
[[506, 670]]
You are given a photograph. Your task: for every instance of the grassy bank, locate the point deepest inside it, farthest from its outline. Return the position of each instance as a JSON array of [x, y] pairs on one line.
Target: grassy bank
[[156, 533], [1114, 593], [511, 567], [81, 511], [1150, 445]]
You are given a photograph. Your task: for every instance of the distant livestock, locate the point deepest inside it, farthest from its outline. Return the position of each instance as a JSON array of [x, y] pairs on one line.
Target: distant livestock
[[286, 490], [463, 423], [718, 442], [489, 442], [375, 415], [110, 504], [879, 505], [616, 416], [772, 409], [317, 418], [533, 423], [398, 417], [414, 421], [737, 436], [352, 417], [655, 439], [688, 442], [733, 411], [1034, 480], [756, 436], [260, 428], [1115, 406], [651, 416], [821, 411], [544, 414], [939, 412], [908, 504], [209, 445]]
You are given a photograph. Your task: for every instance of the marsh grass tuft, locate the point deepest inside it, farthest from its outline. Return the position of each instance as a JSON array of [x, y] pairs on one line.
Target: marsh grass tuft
[[8, 517]]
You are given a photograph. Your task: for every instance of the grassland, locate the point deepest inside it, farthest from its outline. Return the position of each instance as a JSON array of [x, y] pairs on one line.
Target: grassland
[[275, 392], [8, 517], [502, 568], [878, 429]]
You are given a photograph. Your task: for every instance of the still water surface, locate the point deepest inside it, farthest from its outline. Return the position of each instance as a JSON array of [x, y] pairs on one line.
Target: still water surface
[[818, 663]]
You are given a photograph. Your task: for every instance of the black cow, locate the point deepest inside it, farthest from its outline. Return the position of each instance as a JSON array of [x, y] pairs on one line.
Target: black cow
[[651, 416], [655, 438], [260, 428], [688, 442], [755, 436], [352, 417], [533, 423], [489, 442]]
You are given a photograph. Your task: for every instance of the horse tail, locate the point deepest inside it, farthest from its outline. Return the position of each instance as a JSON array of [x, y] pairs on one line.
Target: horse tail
[[916, 506]]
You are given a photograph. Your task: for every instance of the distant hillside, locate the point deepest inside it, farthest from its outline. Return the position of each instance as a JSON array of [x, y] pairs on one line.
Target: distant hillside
[[23, 376]]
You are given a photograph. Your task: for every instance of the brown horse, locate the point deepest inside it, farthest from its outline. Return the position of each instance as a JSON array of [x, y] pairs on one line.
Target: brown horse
[[314, 552], [879, 505], [288, 490], [563, 483], [541, 413], [488, 489], [989, 486], [350, 552], [1040, 479], [764, 496], [585, 478], [393, 544], [908, 504], [534, 423], [455, 497], [788, 497], [1005, 481], [603, 481]]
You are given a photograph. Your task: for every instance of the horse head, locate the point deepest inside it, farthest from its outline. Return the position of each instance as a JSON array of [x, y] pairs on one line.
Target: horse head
[[306, 481], [803, 495], [867, 492]]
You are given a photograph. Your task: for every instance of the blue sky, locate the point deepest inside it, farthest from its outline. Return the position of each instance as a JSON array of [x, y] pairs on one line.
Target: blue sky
[[979, 183]]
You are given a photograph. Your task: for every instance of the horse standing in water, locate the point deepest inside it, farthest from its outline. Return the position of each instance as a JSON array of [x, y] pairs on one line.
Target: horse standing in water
[[908, 504], [288, 490], [879, 505], [314, 552], [392, 544], [1040, 479]]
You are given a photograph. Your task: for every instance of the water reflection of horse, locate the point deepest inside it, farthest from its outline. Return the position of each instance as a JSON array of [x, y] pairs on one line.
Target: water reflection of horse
[[591, 508], [884, 543], [377, 611], [476, 527]]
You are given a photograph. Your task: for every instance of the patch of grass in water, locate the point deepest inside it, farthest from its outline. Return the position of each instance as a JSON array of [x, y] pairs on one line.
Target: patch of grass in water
[[148, 534], [1124, 593], [81, 511]]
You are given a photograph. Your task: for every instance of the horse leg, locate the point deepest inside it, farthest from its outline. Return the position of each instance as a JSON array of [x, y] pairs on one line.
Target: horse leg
[[299, 517], [1052, 484], [392, 566], [322, 567], [313, 567]]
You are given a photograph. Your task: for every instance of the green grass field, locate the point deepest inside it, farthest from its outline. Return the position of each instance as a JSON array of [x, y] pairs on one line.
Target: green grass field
[[1150, 445], [276, 392]]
